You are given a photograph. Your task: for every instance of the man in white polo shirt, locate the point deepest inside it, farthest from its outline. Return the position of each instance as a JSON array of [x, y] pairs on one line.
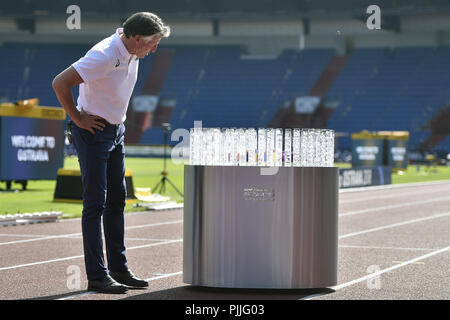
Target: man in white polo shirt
[[106, 76]]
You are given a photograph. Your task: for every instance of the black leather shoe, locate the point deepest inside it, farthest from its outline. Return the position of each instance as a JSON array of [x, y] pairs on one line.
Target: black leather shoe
[[128, 278], [106, 285]]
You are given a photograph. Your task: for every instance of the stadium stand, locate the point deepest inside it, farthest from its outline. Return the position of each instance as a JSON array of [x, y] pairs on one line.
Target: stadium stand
[[228, 91], [32, 66], [390, 89], [377, 88]]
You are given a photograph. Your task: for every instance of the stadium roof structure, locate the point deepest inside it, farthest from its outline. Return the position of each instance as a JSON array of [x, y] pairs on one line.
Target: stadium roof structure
[[220, 8]]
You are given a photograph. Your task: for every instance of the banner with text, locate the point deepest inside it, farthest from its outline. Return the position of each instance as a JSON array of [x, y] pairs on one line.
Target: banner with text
[[31, 149], [364, 177]]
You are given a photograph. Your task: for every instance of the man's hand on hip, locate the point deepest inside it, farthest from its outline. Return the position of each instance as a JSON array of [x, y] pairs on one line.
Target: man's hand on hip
[[89, 122]]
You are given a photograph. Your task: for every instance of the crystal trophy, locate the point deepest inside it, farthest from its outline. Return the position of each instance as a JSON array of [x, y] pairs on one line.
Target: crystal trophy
[[287, 147], [262, 154]]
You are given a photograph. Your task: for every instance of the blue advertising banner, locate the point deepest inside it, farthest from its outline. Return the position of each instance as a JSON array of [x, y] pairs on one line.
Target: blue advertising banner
[[382, 148], [364, 177], [398, 154], [367, 152], [30, 149]]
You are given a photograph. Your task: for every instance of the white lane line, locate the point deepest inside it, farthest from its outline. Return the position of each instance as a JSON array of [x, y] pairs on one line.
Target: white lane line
[[305, 298], [78, 236], [82, 294], [82, 256], [76, 295], [397, 266], [23, 235], [381, 197], [41, 238], [388, 269], [155, 244], [72, 235], [394, 186], [394, 206], [126, 238], [127, 214], [163, 276], [378, 273], [146, 239], [180, 240], [393, 225], [387, 248], [153, 224], [40, 262], [310, 297]]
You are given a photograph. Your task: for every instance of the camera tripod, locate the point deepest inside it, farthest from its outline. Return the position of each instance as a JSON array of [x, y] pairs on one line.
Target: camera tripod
[[162, 183]]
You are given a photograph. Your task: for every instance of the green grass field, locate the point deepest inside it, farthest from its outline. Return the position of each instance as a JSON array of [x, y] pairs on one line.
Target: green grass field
[[146, 173], [39, 194]]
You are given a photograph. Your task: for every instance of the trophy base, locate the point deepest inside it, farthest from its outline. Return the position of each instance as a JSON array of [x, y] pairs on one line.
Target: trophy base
[[245, 229]]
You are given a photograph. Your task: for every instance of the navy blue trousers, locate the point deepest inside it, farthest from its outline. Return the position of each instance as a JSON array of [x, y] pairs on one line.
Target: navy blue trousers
[[102, 165]]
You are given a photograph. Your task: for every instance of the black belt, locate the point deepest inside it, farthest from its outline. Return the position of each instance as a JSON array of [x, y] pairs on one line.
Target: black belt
[[107, 123]]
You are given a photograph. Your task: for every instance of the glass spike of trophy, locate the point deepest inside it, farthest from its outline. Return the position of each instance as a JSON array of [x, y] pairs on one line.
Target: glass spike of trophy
[[271, 147]]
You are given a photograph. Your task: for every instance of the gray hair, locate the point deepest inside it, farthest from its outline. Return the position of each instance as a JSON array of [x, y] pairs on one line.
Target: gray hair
[[145, 24]]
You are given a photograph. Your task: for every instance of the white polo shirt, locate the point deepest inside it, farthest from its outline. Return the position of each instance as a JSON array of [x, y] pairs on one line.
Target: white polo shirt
[[109, 73]]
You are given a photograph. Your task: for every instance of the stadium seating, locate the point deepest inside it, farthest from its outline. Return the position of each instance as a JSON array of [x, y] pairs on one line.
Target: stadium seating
[[390, 89], [224, 90], [31, 68], [377, 89]]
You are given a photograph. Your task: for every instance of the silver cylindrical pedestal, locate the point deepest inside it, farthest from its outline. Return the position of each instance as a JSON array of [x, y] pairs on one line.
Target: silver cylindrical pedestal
[[245, 228]]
